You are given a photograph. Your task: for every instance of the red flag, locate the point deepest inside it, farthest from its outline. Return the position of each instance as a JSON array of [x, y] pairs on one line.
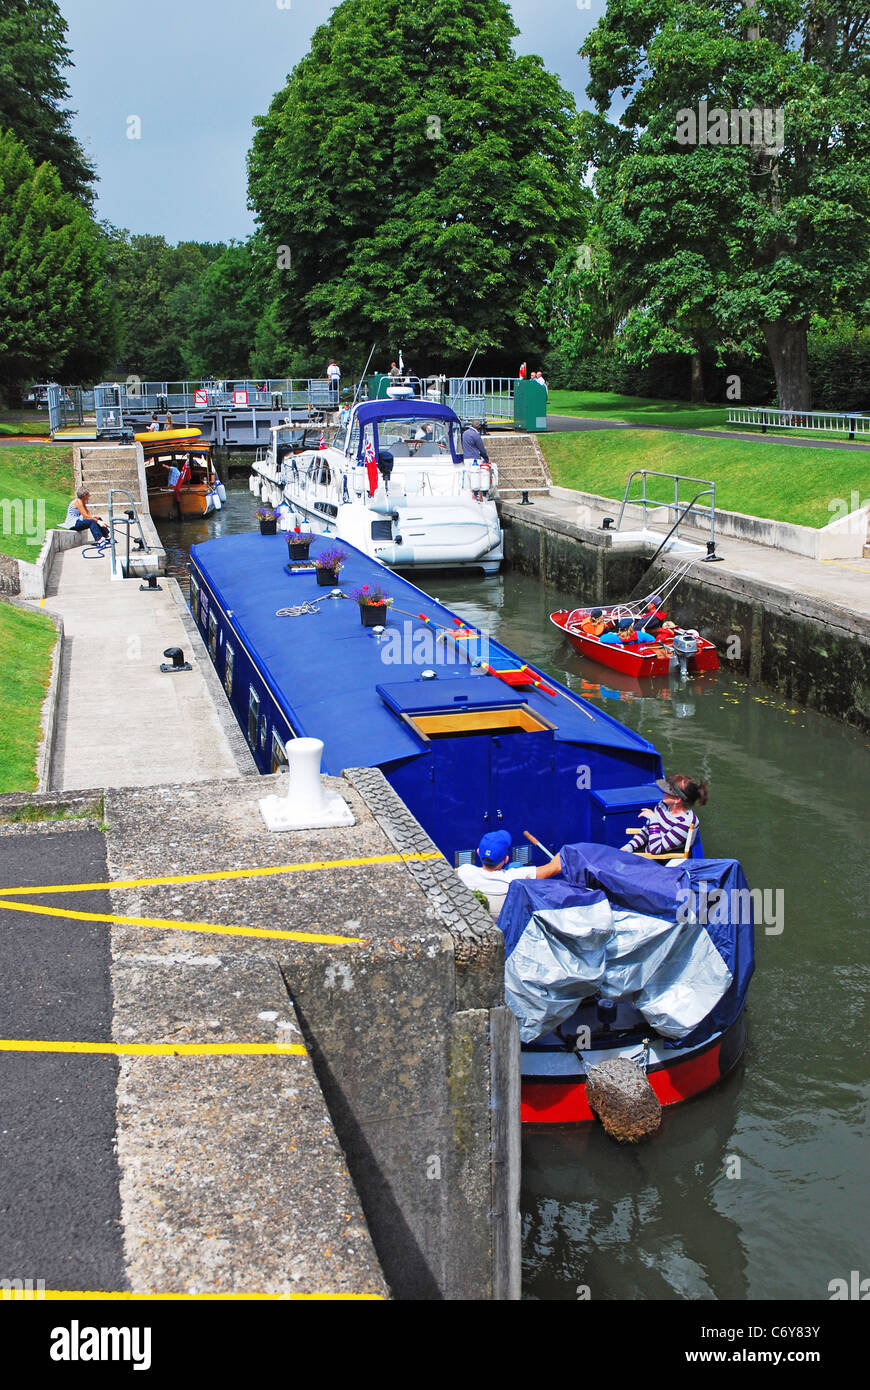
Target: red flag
[[322, 440], [182, 478], [371, 468]]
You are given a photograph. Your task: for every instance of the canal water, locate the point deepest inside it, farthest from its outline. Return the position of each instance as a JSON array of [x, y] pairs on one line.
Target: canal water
[[756, 1189]]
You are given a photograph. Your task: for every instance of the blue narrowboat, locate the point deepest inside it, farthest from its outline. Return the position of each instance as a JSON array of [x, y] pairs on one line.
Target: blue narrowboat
[[472, 740]]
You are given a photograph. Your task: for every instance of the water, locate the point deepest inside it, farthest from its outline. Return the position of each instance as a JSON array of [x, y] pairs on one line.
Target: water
[[755, 1189]]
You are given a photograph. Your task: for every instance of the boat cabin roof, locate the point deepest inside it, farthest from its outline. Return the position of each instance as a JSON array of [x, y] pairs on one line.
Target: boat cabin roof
[[364, 693]]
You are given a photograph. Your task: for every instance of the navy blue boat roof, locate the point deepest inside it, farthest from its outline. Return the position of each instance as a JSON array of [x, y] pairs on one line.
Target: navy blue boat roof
[[336, 680], [402, 408]]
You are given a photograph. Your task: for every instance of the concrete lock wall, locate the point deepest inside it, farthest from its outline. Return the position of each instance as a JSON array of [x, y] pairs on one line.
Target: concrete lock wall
[[810, 650], [418, 1059]]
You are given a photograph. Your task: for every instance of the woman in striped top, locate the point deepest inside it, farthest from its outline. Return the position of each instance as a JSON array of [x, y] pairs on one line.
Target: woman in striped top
[[669, 826]]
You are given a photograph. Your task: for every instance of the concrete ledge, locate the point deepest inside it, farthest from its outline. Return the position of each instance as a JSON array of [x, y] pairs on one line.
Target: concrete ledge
[[238, 744], [233, 1176], [49, 711], [840, 539]]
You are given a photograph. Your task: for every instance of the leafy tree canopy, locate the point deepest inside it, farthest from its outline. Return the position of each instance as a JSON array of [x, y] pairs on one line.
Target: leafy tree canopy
[[56, 314], [726, 241], [413, 180], [33, 91], [156, 287]]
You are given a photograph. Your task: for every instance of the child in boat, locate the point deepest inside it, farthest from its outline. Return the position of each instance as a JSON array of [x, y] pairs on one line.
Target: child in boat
[[669, 825], [493, 877], [595, 624], [627, 634]]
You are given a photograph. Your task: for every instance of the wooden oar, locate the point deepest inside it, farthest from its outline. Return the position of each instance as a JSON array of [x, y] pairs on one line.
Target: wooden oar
[[543, 848]]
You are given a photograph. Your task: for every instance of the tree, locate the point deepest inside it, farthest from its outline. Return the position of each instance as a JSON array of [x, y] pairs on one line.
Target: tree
[[33, 55], [225, 309], [156, 287], [412, 180], [56, 314], [720, 231]]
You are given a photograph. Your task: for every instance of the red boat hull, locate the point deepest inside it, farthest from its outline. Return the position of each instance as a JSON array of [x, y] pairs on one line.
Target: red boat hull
[[642, 660], [561, 1101]]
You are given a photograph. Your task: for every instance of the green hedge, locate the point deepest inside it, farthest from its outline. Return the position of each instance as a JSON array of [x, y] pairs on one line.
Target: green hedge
[[839, 372]]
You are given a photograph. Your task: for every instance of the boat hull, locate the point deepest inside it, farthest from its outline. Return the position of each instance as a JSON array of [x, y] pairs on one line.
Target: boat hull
[[642, 661], [191, 503], [554, 1100]]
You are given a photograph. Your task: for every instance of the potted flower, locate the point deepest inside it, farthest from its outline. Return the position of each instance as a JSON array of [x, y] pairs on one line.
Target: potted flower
[[327, 564], [268, 519], [373, 604], [298, 543]]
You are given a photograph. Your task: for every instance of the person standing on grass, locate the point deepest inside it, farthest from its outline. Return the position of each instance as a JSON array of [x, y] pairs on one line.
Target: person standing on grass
[[80, 518]]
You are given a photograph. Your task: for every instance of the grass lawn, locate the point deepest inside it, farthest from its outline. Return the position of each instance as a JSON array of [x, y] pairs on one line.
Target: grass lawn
[[638, 410], [36, 485], [773, 480], [23, 422], [26, 644]]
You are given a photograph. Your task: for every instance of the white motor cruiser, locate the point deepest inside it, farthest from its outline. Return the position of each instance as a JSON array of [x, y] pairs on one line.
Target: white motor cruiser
[[393, 483]]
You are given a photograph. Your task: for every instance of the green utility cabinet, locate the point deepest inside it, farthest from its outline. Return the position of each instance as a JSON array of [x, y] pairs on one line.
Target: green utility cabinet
[[530, 405]]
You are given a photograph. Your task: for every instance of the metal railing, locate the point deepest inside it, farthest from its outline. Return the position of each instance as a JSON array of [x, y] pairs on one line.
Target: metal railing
[[479, 398], [126, 522], [682, 511], [765, 417]]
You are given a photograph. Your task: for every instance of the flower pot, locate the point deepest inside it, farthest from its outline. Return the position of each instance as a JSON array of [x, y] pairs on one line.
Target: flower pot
[[373, 614], [325, 577], [298, 549], [268, 528]]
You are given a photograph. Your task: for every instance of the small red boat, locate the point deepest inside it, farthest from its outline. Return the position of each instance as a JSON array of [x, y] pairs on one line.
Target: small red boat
[[642, 659]]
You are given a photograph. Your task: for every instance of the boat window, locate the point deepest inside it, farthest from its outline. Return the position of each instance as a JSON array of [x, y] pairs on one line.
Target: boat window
[[279, 753], [194, 598], [354, 439], [228, 670], [410, 436], [464, 723], [264, 729], [253, 717], [212, 633]]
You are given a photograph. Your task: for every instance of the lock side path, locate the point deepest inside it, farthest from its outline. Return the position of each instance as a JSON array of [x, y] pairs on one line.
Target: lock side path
[[121, 722]]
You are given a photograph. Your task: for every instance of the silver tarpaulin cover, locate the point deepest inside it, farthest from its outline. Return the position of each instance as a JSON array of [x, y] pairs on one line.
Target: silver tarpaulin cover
[[671, 968]]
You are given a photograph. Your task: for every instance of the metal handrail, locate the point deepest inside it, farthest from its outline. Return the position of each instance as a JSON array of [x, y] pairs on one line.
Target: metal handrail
[[708, 488], [125, 521]]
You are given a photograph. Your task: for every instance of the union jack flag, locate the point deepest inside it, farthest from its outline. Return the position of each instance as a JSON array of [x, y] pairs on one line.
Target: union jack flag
[[322, 440]]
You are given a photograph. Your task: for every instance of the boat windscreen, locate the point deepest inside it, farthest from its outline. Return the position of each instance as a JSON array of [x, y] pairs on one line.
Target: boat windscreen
[[413, 437]]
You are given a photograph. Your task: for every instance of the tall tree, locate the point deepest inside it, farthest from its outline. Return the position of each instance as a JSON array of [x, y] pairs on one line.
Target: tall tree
[[412, 180], [156, 287], [33, 90], [56, 312], [720, 231], [224, 311]]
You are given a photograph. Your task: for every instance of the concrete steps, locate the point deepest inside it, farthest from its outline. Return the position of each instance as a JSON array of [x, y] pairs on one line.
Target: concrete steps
[[520, 462]]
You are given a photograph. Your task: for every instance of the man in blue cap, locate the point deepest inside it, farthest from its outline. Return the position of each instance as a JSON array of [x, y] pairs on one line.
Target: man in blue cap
[[493, 877]]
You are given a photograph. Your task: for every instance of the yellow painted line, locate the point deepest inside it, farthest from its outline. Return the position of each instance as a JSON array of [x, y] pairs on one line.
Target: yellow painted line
[[102, 1295], [154, 1049], [171, 924], [223, 874], [42, 602], [841, 564]]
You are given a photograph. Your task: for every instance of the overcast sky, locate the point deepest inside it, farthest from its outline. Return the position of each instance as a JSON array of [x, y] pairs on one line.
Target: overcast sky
[[196, 72]]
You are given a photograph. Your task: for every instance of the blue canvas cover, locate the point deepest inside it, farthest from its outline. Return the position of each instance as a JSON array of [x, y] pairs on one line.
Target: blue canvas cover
[[678, 941]]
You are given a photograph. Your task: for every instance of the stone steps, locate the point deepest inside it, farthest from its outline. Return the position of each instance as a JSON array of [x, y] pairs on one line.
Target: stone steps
[[521, 464]]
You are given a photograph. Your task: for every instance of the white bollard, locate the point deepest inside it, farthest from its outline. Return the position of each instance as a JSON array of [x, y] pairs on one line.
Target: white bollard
[[308, 805]]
